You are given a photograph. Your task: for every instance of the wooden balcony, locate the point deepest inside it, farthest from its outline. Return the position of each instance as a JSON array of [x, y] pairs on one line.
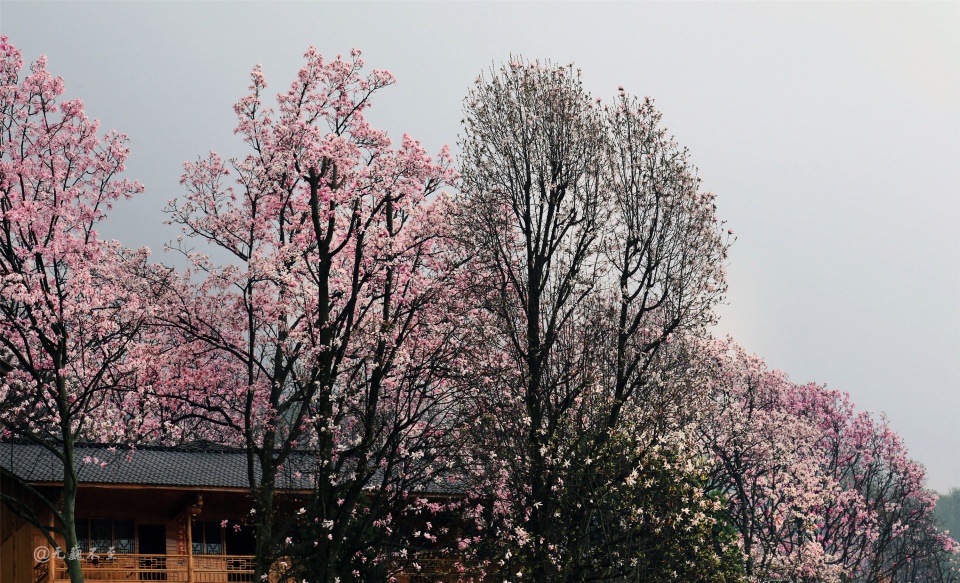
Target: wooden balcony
[[211, 569], [173, 568]]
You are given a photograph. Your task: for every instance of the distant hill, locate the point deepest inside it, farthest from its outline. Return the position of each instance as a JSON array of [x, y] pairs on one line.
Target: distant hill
[[948, 512]]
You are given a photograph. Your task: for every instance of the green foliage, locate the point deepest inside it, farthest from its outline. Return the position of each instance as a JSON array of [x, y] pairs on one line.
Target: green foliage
[[684, 537], [360, 549], [652, 521]]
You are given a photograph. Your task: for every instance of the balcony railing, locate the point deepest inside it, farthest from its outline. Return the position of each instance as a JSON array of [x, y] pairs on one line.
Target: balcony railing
[[172, 568], [211, 569]]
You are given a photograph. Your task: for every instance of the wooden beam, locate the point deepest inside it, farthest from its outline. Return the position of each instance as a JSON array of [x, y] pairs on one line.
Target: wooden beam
[[88, 485]]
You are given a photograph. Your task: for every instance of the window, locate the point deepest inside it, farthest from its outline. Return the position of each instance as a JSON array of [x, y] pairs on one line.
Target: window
[[207, 538], [239, 541], [103, 533]]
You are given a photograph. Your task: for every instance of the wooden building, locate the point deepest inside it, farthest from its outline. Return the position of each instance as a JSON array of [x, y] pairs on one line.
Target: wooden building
[[173, 514]]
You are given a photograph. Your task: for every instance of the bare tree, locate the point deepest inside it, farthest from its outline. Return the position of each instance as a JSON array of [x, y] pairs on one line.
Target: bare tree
[[593, 250]]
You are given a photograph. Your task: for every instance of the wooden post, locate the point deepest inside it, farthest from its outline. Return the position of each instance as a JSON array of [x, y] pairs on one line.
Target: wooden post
[[189, 547], [52, 563]]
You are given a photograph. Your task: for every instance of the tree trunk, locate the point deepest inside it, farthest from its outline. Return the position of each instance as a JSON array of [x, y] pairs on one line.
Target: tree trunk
[[72, 559], [263, 532]]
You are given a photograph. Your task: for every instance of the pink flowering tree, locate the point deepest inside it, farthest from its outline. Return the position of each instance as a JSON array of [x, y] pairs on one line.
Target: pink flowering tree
[[880, 525], [816, 491], [323, 317], [767, 469], [73, 308], [591, 250]]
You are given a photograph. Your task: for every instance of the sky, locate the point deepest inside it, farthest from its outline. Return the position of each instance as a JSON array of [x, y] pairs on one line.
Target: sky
[[829, 132]]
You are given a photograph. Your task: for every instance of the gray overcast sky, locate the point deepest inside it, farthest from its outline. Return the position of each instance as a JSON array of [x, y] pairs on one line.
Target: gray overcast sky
[[830, 132]]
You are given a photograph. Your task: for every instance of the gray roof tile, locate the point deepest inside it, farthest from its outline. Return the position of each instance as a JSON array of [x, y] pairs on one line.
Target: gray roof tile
[[203, 465], [197, 465]]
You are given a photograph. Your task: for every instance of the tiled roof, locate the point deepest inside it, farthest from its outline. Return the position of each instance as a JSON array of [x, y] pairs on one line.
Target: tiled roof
[[198, 465]]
